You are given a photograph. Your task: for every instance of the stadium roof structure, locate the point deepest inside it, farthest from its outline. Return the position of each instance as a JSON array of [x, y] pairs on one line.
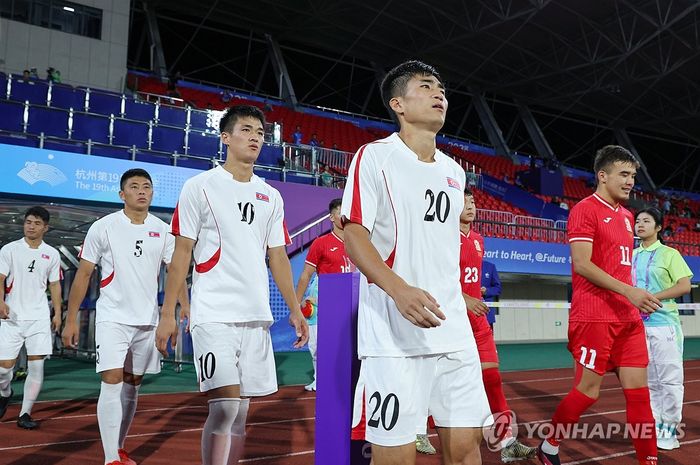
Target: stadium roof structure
[[585, 69]]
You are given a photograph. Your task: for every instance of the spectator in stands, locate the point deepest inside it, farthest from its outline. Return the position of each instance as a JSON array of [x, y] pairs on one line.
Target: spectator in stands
[[326, 176], [225, 96], [53, 75], [506, 178], [335, 147], [667, 206], [563, 205], [26, 75], [172, 85], [314, 141], [298, 136], [697, 226], [267, 107], [668, 231], [322, 143], [33, 73], [490, 288]]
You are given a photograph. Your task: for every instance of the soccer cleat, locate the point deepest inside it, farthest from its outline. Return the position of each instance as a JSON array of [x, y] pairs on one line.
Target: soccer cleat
[[311, 386], [423, 445], [517, 451], [667, 443], [547, 459], [25, 421], [125, 459], [20, 375], [4, 402]]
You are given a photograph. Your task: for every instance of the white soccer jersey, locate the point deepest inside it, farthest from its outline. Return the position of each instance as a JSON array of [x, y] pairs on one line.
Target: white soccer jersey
[[233, 223], [130, 256], [27, 273], [411, 210]]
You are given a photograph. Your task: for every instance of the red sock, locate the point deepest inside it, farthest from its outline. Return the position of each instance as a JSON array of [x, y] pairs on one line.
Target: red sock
[[497, 400], [568, 414], [642, 425]]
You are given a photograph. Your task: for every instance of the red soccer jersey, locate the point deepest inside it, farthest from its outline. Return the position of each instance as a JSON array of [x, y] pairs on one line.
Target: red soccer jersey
[[327, 255], [609, 229], [471, 256]]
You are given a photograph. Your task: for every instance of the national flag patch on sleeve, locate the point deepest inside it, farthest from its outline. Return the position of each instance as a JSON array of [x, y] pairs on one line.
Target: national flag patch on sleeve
[[153, 234], [453, 183], [262, 197], [44, 256]]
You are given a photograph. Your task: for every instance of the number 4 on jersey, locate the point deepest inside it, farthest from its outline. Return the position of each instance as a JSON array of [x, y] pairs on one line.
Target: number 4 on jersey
[[31, 266]]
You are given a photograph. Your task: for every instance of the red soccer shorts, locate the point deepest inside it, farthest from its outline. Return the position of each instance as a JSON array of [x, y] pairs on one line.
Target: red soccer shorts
[[602, 346], [483, 335]]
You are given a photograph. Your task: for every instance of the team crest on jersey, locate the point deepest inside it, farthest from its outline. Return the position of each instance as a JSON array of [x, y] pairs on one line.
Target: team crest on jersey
[[453, 183], [477, 246], [262, 197], [45, 256], [628, 225], [153, 234]]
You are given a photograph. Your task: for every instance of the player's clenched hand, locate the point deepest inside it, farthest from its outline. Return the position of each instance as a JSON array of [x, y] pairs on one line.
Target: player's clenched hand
[[476, 306], [167, 330], [70, 335], [4, 311], [643, 300], [301, 326], [418, 307]]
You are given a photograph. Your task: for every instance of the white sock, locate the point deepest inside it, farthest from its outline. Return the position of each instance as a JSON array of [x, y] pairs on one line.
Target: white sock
[[216, 436], [32, 385], [5, 380], [548, 448], [238, 433], [109, 418], [129, 400], [314, 361]]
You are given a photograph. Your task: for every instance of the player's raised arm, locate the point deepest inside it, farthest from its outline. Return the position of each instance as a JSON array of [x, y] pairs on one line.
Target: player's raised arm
[[581, 252], [78, 289], [177, 272], [282, 274]]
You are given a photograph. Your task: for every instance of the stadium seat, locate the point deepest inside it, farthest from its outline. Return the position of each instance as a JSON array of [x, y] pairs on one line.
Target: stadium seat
[[104, 103], [171, 116], [111, 151], [154, 157], [67, 97], [12, 116], [65, 146], [3, 85], [196, 163], [130, 133], [139, 110], [19, 139], [86, 126], [50, 121], [167, 139], [203, 144], [33, 91]]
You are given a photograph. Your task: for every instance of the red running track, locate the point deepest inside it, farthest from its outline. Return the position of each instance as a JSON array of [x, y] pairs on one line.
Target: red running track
[[167, 427]]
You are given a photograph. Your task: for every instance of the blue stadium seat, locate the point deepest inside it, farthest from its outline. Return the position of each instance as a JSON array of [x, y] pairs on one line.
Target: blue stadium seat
[[206, 145], [105, 103], [19, 139], [166, 139], [3, 85], [65, 146], [154, 157], [198, 120], [195, 163], [172, 116], [138, 110], [33, 90], [67, 97], [111, 152], [12, 116], [86, 126], [128, 133], [49, 121]]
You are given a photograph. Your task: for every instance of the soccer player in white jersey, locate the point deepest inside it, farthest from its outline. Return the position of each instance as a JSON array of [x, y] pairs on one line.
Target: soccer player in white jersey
[[26, 265], [130, 246], [231, 219], [401, 210]]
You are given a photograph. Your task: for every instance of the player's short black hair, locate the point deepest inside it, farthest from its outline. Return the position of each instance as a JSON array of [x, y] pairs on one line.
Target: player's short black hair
[[395, 81], [608, 155], [39, 212], [335, 203], [232, 114], [468, 191], [132, 173], [656, 215]]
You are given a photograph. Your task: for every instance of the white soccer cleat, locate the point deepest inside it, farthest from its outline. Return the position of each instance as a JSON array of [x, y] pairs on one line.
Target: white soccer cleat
[[310, 387]]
